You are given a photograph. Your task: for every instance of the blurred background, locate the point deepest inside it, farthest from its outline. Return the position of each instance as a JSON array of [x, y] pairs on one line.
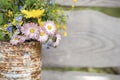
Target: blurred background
[[91, 51]]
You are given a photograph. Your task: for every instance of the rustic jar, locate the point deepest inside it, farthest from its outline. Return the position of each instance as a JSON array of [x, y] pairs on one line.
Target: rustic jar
[[20, 62]]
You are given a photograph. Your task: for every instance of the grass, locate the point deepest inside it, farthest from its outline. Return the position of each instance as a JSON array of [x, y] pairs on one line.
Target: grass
[[94, 70], [115, 12]]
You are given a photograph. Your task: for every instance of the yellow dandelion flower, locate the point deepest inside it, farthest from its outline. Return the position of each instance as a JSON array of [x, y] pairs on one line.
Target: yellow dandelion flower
[[33, 13], [65, 34], [24, 11]]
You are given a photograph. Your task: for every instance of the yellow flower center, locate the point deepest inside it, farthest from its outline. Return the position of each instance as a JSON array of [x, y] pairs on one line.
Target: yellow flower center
[[32, 30], [49, 27], [42, 33], [16, 38]]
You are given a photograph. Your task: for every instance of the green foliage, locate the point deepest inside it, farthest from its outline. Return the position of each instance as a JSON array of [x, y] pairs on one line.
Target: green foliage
[[6, 3], [1, 18], [2, 36], [92, 70], [115, 12]]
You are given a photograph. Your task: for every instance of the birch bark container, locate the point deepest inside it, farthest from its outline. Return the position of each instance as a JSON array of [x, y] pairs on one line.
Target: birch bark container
[[20, 62]]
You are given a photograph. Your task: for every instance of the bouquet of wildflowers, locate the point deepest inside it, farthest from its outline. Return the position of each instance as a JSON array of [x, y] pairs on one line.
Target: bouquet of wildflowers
[[26, 20]]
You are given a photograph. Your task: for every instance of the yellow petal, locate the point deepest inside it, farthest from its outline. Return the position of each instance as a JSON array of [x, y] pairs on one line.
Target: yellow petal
[[41, 23], [24, 11]]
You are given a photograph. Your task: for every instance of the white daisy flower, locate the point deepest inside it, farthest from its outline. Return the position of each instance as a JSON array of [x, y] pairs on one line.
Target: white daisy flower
[[58, 39], [30, 30], [50, 27], [17, 39], [42, 36]]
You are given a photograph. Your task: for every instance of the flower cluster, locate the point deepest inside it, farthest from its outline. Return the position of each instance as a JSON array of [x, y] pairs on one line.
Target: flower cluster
[[26, 20]]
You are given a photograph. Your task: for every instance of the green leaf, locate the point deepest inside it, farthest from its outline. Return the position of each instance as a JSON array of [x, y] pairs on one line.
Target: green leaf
[[6, 4], [1, 18], [111, 11], [2, 35]]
